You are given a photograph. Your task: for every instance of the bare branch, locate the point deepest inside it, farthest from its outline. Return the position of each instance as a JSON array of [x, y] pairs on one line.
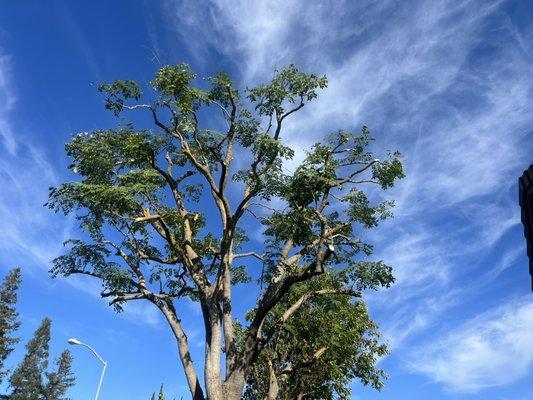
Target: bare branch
[[307, 363], [152, 111], [126, 297], [349, 178], [147, 218], [250, 254]]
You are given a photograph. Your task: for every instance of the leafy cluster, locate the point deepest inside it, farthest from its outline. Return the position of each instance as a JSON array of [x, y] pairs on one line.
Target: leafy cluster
[[329, 341], [290, 86]]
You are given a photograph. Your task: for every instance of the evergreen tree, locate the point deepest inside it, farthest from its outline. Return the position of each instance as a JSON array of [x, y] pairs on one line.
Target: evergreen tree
[[161, 395], [31, 380], [27, 379], [8, 316], [61, 379]]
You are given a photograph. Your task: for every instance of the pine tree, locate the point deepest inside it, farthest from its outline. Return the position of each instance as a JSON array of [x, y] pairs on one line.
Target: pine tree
[[31, 380], [61, 379], [8, 316], [27, 379]]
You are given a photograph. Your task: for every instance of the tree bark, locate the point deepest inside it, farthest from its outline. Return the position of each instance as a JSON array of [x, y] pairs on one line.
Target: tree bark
[[273, 386], [234, 385], [183, 347], [213, 350]]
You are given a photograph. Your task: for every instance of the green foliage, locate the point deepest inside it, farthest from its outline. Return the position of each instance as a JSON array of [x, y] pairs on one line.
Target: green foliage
[[83, 255], [328, 342], [222, 89], [60, 380], [289, 86], [9, 322], [328, 168], [297, 225], [27, 379], [239, 275], [361, 211], [118, 178], [119, 91], [369, 275], [31, 380], [161, 395], [387, 171]]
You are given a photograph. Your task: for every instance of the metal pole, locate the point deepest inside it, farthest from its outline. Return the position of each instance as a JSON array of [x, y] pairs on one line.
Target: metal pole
[[100, 383]]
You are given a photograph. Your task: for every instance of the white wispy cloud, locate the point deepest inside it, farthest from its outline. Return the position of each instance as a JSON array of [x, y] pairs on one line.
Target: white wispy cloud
[[491, 350], [7, 100], [28, 232], [449, 83]]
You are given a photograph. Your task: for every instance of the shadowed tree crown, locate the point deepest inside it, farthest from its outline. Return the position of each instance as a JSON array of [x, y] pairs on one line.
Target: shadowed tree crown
[[166, 210]]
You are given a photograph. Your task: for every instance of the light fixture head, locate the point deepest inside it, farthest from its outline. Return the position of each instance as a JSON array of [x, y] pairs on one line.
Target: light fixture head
[[73, 342]]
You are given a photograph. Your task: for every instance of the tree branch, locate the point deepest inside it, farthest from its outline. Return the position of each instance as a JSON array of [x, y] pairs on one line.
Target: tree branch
[[250, 254], [273, 294], [168, 310]]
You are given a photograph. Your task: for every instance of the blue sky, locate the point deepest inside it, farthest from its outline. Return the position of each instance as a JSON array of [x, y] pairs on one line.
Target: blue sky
[[448, 83]]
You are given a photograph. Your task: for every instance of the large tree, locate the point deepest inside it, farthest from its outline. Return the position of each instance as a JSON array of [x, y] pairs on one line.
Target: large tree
[[144, 197], [9, 322]]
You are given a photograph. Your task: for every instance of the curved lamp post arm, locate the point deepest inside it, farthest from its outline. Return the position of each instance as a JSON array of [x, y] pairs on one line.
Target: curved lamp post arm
[[94, 352], [104, 363]]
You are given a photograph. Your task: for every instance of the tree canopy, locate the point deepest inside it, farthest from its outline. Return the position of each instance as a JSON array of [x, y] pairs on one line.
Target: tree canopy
[[145, 199]]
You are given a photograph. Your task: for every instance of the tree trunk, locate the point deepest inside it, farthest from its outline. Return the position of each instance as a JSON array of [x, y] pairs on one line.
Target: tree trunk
[[213, 350]]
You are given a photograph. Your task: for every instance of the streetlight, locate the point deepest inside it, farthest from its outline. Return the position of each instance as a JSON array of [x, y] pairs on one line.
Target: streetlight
[[75, 342]]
